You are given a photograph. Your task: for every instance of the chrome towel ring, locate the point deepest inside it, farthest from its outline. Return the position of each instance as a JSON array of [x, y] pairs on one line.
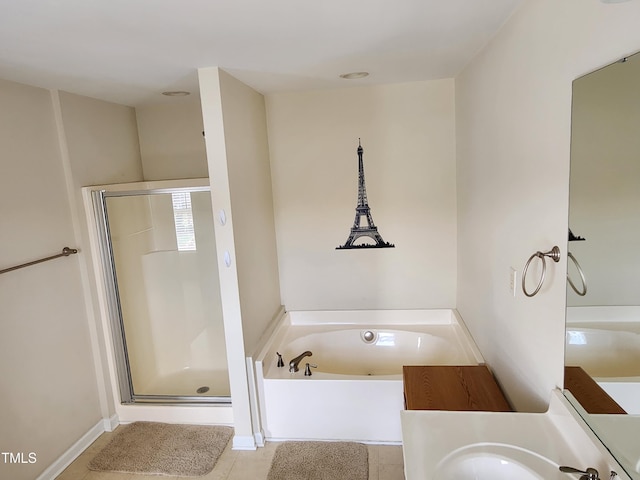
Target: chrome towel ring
[[582, 292], [554, 254]]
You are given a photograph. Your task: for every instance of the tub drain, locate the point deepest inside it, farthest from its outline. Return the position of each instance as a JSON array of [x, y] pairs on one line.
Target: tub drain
[[368, 336], [202, 390]]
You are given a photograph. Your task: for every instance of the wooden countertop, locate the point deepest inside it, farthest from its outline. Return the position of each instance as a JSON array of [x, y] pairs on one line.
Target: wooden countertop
[[443, 387], [587, 391]]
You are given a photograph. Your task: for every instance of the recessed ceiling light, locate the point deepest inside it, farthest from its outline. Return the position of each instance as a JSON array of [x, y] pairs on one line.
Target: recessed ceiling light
[[354, 75], [178, 93]]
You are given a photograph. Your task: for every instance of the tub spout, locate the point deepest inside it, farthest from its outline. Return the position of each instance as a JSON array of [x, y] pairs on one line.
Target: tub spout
[[293, 364]]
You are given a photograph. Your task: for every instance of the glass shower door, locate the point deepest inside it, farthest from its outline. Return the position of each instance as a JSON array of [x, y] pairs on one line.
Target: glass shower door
[[166, 295]]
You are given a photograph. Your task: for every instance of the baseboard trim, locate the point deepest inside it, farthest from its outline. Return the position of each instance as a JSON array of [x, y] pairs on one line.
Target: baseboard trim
[[244, 442], [57, 467], [110, 424], [259, 437]]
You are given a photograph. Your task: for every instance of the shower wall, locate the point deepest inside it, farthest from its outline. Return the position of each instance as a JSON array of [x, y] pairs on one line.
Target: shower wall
[[169, 298], [131, 237]]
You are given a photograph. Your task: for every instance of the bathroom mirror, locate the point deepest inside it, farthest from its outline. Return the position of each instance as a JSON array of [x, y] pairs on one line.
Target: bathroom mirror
[[603, 323]]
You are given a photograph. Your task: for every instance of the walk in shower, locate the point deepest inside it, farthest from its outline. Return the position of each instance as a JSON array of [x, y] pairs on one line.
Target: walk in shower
[[159, 258]]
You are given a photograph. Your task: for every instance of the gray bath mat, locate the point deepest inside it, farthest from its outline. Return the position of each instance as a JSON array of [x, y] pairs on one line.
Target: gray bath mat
[[163, 449], [320, 461]]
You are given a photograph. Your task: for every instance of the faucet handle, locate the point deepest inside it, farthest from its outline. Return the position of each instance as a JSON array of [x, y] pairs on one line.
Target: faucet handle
[[280, 361], [589, 474], [307, 369]]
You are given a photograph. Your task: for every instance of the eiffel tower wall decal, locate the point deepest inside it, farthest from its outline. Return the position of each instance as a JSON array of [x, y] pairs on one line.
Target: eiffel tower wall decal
[[362, 228]]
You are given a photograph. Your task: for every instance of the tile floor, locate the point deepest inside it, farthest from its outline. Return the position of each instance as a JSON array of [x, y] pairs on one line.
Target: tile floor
[[385, 463]]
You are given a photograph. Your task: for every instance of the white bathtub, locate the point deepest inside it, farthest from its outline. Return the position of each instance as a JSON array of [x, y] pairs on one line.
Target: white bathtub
[[604, 351], [605, 342], [355, 393]]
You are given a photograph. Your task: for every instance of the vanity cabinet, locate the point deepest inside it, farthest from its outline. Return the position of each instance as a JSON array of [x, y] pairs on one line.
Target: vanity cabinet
[[444, 387]]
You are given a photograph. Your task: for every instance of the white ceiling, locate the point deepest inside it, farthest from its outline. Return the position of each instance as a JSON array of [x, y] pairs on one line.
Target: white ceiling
[[129, 51]]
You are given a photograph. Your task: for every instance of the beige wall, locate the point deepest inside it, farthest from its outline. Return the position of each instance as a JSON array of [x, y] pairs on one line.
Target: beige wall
[[102, 141], [408, 136], [99, 145], [245, 133], [48, 388], [171, 141], [513, 115]]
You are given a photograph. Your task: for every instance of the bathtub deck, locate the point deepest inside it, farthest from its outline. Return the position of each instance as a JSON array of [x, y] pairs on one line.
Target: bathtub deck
[[590, 395], [460, 388]]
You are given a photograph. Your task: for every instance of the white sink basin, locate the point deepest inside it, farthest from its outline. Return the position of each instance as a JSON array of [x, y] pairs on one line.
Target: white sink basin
[[496, 461], [454, 445]]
